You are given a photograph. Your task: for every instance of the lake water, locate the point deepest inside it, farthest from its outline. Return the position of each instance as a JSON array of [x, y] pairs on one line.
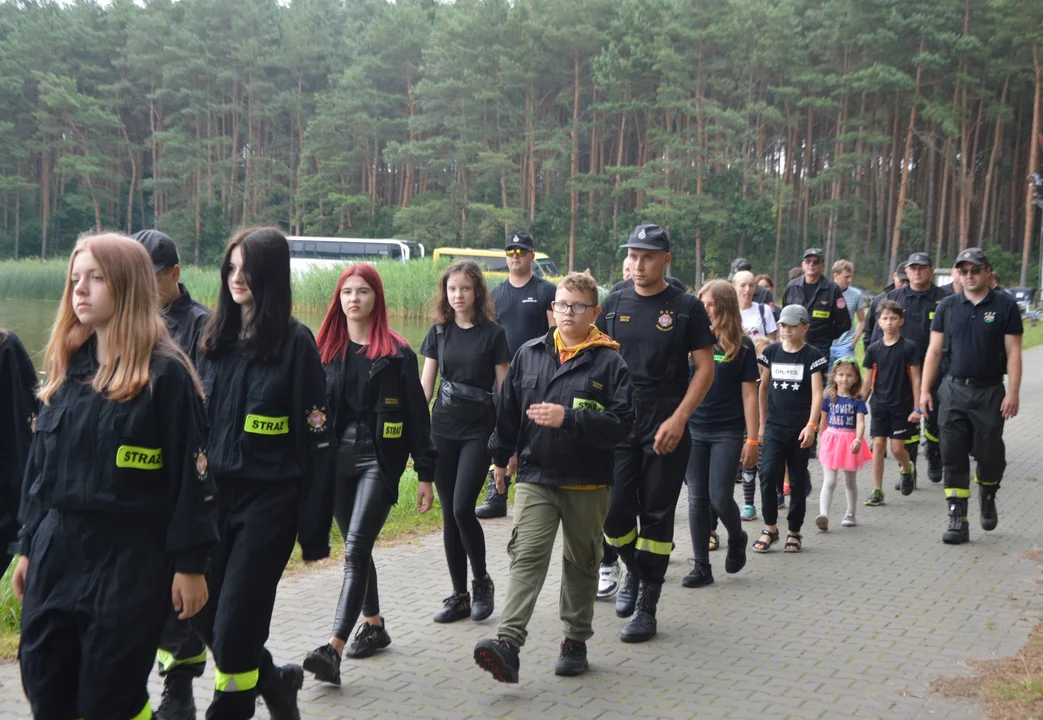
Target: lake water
[[31, 321]]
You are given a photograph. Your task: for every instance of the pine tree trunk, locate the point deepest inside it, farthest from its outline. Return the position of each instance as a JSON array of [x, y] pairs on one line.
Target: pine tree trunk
[[574, 161], [1033, 166], [903, 189]]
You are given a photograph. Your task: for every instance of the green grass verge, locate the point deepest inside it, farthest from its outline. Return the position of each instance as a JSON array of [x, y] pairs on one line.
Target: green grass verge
[[407, 286]]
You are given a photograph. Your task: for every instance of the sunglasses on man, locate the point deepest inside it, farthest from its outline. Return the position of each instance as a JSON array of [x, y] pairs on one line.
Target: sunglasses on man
[[516, 252], [975, 271]]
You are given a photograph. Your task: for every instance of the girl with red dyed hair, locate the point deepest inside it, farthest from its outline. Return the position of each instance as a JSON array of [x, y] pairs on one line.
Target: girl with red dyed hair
[[381, 417]]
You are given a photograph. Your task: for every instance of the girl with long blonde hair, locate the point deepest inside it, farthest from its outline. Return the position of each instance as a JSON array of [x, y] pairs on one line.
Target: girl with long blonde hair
[[716, 427], [118, 513]]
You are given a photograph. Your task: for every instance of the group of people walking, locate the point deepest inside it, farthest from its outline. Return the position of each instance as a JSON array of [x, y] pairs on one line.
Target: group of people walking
[[172, 457]]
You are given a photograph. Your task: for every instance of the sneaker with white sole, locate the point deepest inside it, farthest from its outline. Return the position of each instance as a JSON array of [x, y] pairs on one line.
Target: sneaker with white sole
[[822, 522], [608, 581], [849, 520]]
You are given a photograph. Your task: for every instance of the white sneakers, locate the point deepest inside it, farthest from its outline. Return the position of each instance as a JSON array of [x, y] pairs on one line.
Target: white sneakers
[[608, 581]]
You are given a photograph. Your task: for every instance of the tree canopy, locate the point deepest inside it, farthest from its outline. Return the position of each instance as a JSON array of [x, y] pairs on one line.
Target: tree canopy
[[871, 128]]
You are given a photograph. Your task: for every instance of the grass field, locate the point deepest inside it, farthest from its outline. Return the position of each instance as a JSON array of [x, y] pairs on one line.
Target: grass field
[[407, 286]]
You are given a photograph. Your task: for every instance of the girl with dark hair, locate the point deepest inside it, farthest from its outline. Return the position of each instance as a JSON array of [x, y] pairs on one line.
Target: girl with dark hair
[[470, 353], [118, 513], [271, 452], [17, 410], [380, 415], [717, 425]]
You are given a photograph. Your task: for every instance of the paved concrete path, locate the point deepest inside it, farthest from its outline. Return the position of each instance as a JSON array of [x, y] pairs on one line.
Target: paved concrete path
[[856, 626]]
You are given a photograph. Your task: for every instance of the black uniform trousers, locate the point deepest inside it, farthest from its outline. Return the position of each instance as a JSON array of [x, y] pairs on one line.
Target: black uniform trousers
[[931, 430], [96, 595], [644, 492], [361, 507], [970, 418], [781, 451], [258, 527]]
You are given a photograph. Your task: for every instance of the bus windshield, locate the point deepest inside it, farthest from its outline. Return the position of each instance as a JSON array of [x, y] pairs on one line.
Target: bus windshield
[[548, 267]]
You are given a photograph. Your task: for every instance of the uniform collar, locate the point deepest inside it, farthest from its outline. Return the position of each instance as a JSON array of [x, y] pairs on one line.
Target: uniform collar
[[908, 291], [177, 309], [987, 299], [84, 362]]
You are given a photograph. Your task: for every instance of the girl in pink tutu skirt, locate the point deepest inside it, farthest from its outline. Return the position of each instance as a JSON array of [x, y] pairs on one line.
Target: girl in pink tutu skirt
[[841, 449]]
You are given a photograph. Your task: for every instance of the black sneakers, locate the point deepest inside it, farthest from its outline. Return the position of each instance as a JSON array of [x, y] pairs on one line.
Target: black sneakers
[[642, 626], [324, 663], [735, 560], [280, 691], [499, 658], [368, 639], [495, 504], [626, 596], [482, 599], [455, 607], [987, 503], [958, 531], [907, 482], [700, 576], [572, 659], [177, 702]]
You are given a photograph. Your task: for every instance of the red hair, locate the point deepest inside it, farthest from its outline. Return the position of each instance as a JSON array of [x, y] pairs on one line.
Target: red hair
[[333, 340]]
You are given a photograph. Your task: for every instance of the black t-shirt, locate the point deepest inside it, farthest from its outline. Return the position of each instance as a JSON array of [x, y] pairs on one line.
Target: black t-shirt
[[975, 333], [630, 283], [645, 329], [789, 394], [355, 387], [810, 291], [722, 409], [523, 311], [471, 357], [892, 385]]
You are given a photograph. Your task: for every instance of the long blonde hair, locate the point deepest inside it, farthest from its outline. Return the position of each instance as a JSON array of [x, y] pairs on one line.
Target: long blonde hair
[[135, 331], [728, 327]]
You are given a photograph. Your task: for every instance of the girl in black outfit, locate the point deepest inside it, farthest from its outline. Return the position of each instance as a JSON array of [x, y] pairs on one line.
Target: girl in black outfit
[[381, 417], [17, 410], [470, 351], [118, 511], [271, 452], [717, 434]]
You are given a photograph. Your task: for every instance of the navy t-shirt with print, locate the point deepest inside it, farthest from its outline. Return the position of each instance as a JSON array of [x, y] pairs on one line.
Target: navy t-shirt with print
[[789, 375], [843, 414]]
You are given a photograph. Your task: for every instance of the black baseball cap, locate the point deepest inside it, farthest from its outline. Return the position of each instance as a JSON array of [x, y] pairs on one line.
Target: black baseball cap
[[648, 237], [900, 271], [817, 252], [973, 255], [520, 239], [160, 248], [740, 263], [919, 258]]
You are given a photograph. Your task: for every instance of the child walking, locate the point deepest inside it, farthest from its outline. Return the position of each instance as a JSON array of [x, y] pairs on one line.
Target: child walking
[[791, 403], [893, 378], [842, 449], [749, 474]]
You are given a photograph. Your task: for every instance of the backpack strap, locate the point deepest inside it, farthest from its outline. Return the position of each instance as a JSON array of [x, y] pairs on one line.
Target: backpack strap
[[764, 323], [675, 364], [440, 339], [610, 307]]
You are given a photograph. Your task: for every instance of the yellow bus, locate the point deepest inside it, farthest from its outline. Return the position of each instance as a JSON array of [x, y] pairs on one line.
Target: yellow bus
[[494, 262]]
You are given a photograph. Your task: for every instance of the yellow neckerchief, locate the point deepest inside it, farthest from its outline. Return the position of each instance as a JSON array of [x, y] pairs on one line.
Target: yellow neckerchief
[[595, 338]]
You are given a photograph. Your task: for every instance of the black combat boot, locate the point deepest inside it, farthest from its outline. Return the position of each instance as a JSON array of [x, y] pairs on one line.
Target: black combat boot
[[280, 691], [642, 627], [958, 531], [987, 502], [177, 702], [495, 505], [626, 596]]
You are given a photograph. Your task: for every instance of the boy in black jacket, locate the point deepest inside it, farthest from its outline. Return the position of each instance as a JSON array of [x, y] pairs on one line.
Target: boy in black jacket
[[566, 402]]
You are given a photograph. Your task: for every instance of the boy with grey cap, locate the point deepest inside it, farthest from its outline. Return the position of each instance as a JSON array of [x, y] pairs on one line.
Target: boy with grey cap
[[792, 381]]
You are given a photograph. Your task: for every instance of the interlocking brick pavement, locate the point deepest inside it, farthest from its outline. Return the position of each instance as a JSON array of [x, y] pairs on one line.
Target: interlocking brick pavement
[[856, 626]]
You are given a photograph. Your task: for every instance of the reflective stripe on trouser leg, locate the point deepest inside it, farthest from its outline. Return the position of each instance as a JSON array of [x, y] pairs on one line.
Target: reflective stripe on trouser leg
[[145, 714], [168, 662], [654, 546], [620, 542], [235, 682], [952, 492], [985, 484]]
